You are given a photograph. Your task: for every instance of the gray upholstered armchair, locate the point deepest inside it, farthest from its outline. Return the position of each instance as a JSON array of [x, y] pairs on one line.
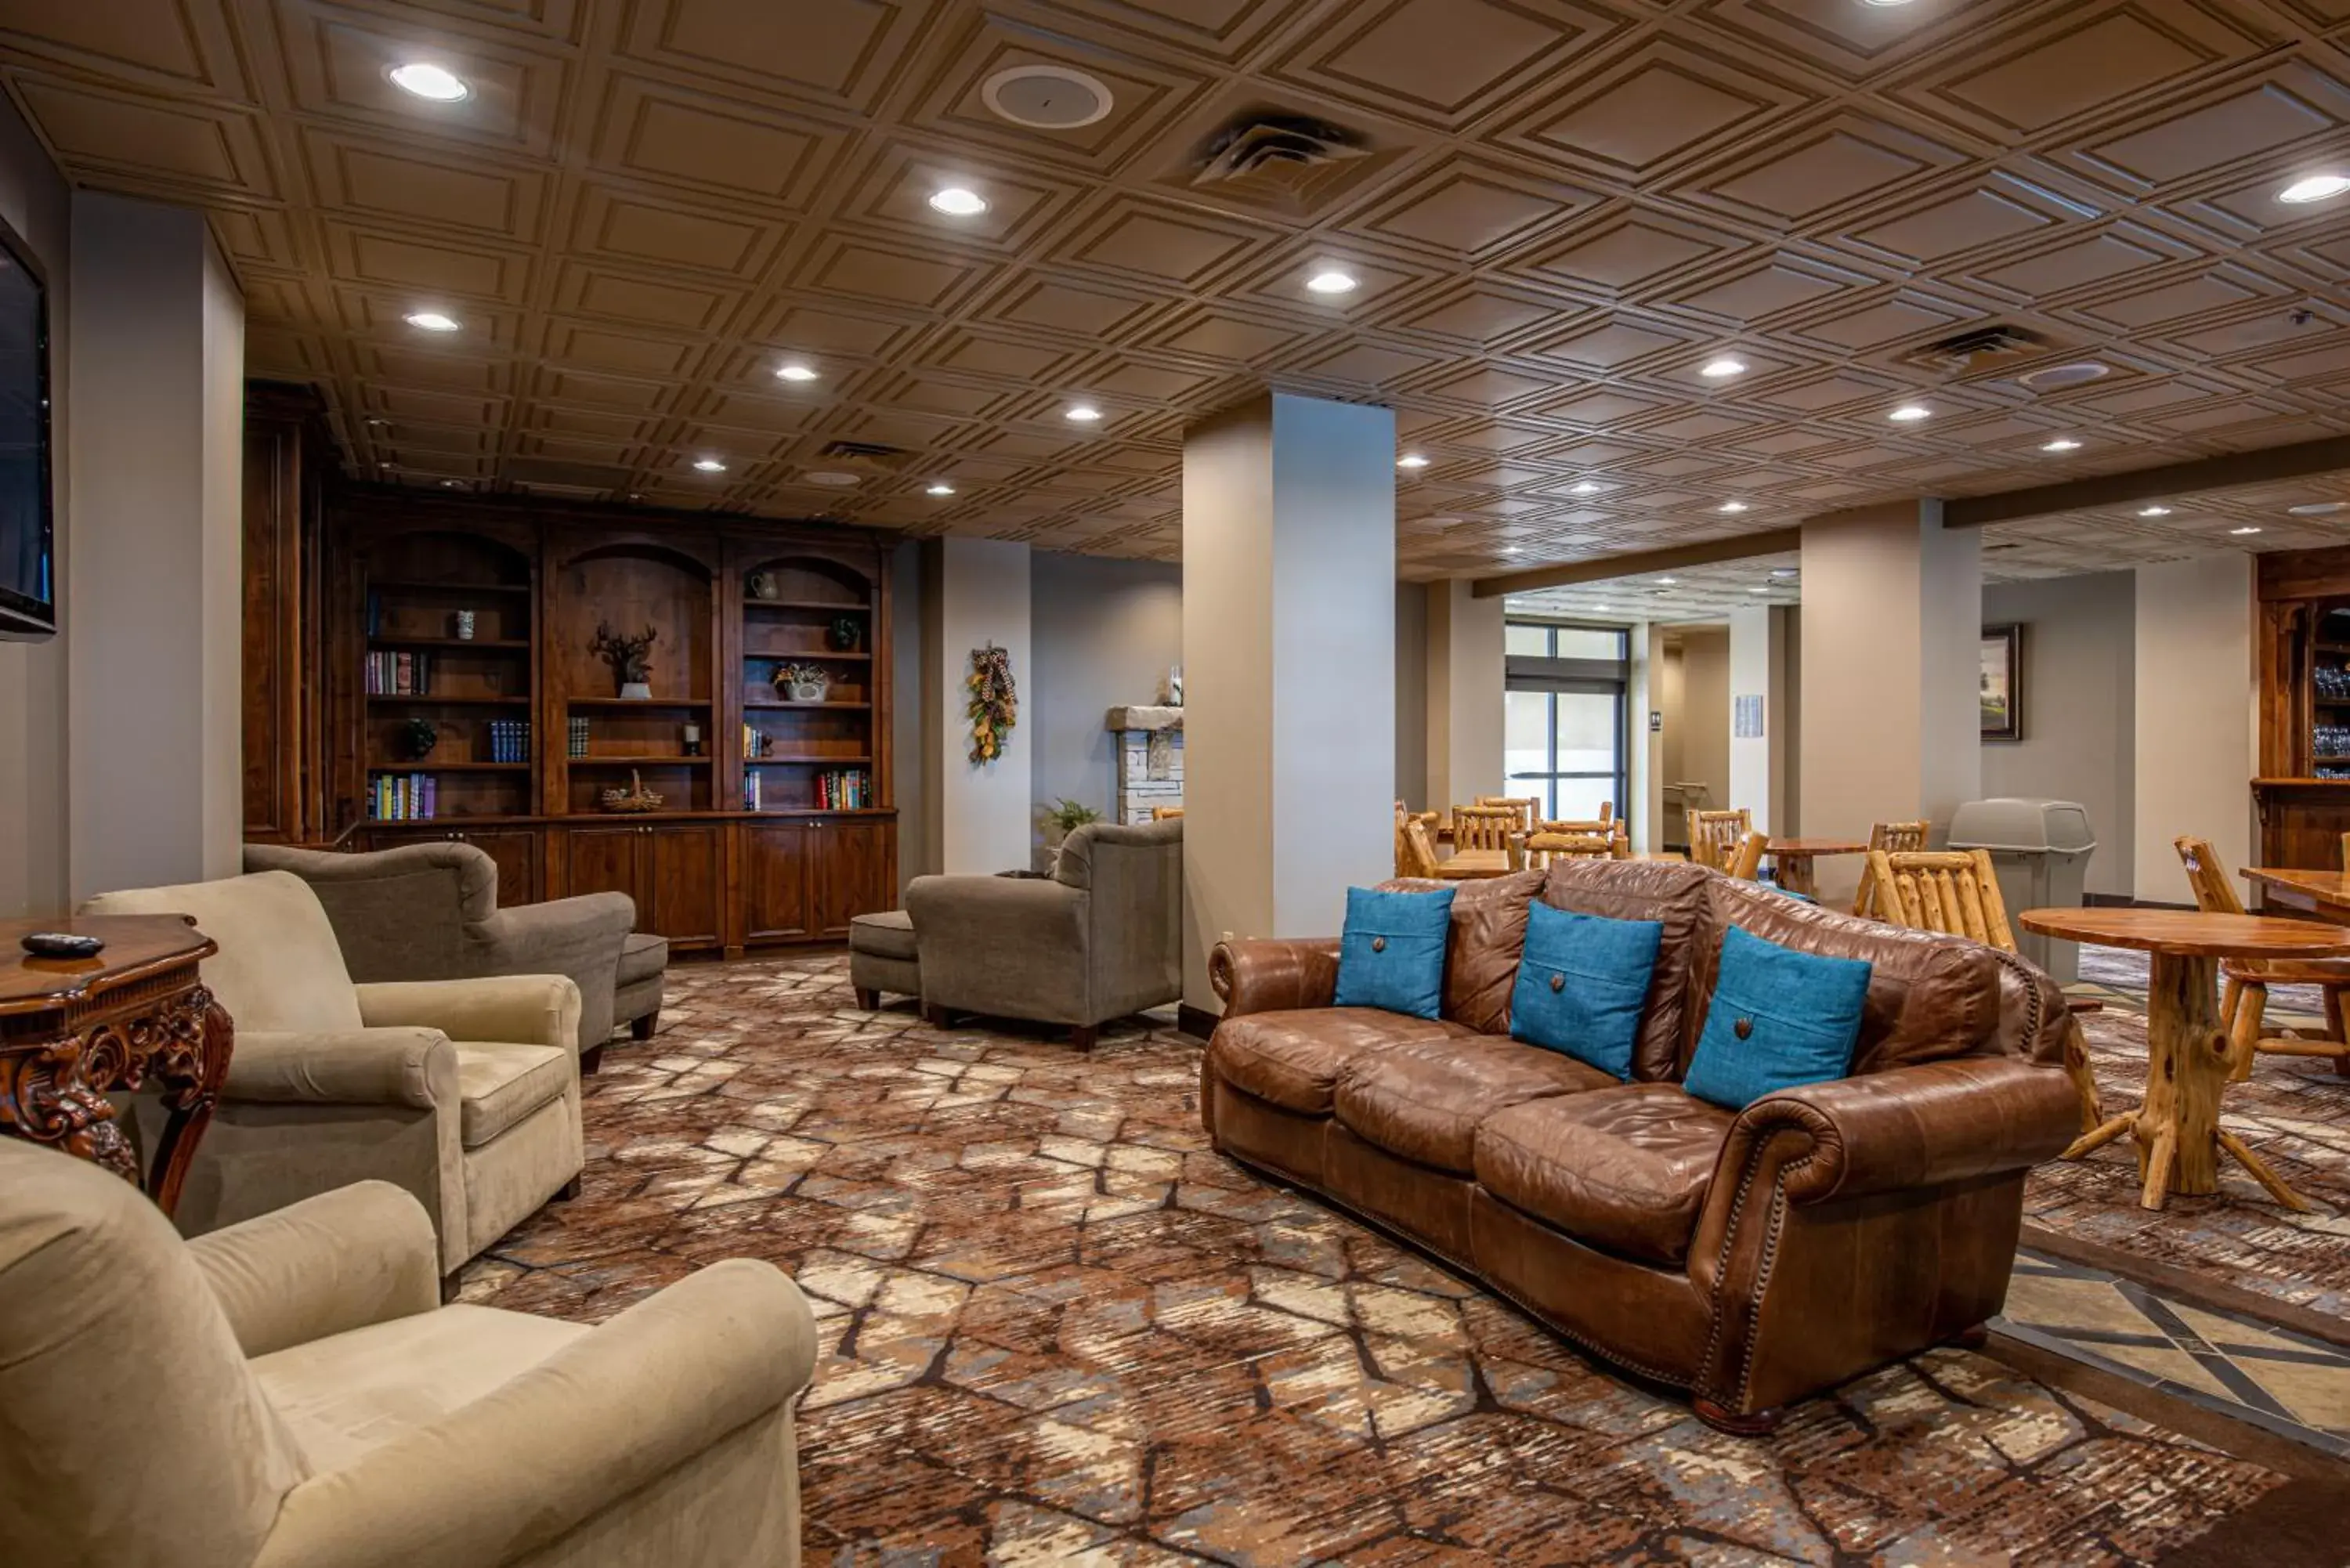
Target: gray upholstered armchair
[[430, 911], [1101, 937]]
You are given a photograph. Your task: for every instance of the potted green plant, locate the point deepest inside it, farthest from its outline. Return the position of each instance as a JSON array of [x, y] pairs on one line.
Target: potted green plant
[[1063, 817]]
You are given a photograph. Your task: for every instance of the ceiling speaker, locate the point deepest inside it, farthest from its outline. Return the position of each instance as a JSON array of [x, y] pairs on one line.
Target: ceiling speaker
[[1047, 98], [2056, 377]]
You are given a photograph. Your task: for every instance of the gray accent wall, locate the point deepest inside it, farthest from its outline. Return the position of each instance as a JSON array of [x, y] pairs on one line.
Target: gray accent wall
[[1105, 632], [2079, 696]]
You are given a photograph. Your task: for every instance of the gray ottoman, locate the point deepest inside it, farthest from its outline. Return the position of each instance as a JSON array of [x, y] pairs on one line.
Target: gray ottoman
[[636, 990], [882, 957]]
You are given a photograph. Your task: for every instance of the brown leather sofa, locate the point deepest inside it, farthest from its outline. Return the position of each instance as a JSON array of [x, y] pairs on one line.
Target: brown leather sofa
[[1750, 1258]]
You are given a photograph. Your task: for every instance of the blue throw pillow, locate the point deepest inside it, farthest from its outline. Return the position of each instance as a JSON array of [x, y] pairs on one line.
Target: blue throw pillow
[[1582, 983], [1392, 954], [1779, 1018]]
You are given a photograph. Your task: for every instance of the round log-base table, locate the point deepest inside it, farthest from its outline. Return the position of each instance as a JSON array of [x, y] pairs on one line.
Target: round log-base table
[[1793, 857], [2180, 1139]]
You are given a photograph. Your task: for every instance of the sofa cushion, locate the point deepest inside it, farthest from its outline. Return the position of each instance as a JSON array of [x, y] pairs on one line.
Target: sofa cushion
[[1778, 1019], [643, 955], [1671, 893], [889, 934], [1481, 959], [1625, 1169], [1422, 1101], [1294, 1058], [1391, 952], [497, 1085], [1583, 986]]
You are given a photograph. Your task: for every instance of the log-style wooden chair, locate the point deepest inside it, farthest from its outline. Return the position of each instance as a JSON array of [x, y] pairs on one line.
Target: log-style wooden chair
[[1162, 813], [1527, 808], [1542, 848], [1486, 827], [2245, 982], [1747, 864], [1894, 838], [1415, 853], [1956, 892], [1607, 827], [1716, 837]]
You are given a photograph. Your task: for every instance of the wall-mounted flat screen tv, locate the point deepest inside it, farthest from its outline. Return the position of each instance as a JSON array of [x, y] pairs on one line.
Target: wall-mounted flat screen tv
[[29, 567]]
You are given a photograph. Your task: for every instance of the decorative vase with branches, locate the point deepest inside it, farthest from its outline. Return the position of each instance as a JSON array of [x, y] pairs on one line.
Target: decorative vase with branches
[[629, 657]]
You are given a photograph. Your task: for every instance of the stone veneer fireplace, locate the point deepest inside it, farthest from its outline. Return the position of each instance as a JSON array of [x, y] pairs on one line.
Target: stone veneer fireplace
[[1150, 760]]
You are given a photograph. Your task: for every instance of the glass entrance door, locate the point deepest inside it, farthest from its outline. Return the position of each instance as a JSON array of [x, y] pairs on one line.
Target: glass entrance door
[[1563, 735]]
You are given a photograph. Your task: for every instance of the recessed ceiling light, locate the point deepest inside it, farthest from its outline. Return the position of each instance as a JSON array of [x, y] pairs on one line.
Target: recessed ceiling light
[[1666, 582], [2319, 508], [940, 488], [1910, 414], [796, 371], [1587, 488], [957, 203], [2154, 511], [1760, 588], [2062, 443], [1330, 280], [426, 80], [1786, 571], [1601, 608], [432, 321], [453, 484], [2247, 528], [708, 465], [1509, 549], [378, 423], [2314, 188], [1733, 506], [1411, 460], [1082, 414], [1885, 5], [831, 478], [1722, 369]]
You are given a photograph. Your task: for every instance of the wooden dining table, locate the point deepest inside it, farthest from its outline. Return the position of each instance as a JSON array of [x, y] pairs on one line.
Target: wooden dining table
[[1471, 865], [1793, 857], [2176, 1127], [2325, 894]]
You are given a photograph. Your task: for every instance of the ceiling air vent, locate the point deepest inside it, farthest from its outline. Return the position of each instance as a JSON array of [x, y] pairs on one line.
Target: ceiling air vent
[[1973, 350], [865, 456], [1259, 146]]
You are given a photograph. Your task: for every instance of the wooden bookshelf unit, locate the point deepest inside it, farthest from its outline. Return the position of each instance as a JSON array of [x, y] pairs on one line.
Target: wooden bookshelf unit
[[2303, 793], [777, 820]]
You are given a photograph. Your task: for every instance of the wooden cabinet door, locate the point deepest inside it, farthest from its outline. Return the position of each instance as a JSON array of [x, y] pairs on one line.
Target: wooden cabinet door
[[771, 881], [515, 850], [685, 881], [607, 860], [849, 862]]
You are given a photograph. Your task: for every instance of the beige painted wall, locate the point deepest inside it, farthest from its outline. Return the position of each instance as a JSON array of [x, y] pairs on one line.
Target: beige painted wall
[[2080, 659], [1412, 693], [2195, 713], [1466, 677], [1106, 632], [1762, 643], [1705, 711], [34, 832], [978, 817], [154, 643]]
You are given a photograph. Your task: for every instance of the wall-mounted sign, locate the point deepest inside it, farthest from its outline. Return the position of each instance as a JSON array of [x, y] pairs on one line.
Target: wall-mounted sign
[[1656, 721], [1746, 718]]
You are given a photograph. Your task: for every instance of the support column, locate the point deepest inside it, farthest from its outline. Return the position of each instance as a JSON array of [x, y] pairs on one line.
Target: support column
[[977, 816], [1644, 813], [1466, 680], [1288, 667], [1892, 662], [1762, 733], [2197, 721], [154, 610]]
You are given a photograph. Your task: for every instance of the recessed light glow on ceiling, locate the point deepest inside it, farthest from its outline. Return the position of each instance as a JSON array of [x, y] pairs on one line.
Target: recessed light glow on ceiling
[[1786, 571], [1760, 588], [940, 488], [1330, 280], [958, 203], [432, 321], [1733, 506], [708, 465], [2314, 188], [1666, 582], [1722, 369], [1587, 488], [796, 371], [2247, 528], [1885, 5], [1082, 414], [831, 478], [427, 80], [2319, 508], [1910, 414], [453, 484], [1411, 460], [2062, 443], [2154, 511]]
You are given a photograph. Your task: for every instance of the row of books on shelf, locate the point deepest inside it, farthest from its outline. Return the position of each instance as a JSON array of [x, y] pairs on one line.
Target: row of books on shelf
[[402, 797], [399, 674], [509, 739], [844, 790]]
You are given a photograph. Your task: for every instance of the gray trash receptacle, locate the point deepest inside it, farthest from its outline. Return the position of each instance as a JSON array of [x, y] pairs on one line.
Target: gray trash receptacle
[[2040, 850]]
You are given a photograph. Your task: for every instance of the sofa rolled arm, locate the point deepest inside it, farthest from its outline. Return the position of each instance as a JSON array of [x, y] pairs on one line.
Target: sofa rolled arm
[[561, 935], [499, 1479], [1913, 1127], [505, 1009], [413, 1067], [360, 1254], [1262, 974]]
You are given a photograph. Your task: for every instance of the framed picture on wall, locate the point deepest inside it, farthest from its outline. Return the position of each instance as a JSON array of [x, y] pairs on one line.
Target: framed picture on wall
[[2003, 682]]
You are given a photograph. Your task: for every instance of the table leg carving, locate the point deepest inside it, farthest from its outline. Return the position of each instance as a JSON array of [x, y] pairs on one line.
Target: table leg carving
[[47, 1097], [191, 1059]]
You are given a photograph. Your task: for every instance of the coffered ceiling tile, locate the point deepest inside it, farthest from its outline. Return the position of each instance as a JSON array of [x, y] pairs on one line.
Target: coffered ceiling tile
[[1782, 283], [1218, 29], [997, 354], [1809, 173], [1608, 343], [633, 226], [563, 384], [891, 273], [259, 237], [1595, 409], [1145, 94], [1625, 252], [390, 365], [1948, 226], [658, 132], [838, 52], [182, 43], [100, 131], [595, 347], [427, 268], [2291, 107], [1486, 386], [1147, 382], [749, 410], [373, 180], [2085, 59], [588, 289], [1065, 308], [799, 328], [1652, 108], [891, 185], [1849, 41], [2246, 335], [1155, 243], [1860, 328], [588, 424], [2061, 264], [1832, 389], [286, 354], [338, 64], [2212, 289], [1479, 314], [1226, 337], [1442, 62], [1469, 208], [1362, 364], [1786, 443]]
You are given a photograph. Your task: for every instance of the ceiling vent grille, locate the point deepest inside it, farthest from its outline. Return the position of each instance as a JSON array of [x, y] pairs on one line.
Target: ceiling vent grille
[[1973, 350], [1271, 160], [863, 456]]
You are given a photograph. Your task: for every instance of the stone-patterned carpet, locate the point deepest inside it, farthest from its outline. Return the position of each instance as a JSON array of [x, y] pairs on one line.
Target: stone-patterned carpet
[[2296, 1114], [1057, 1329]]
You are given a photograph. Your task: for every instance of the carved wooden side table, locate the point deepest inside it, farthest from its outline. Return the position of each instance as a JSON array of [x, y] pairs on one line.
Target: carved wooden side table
[[72, 1030]]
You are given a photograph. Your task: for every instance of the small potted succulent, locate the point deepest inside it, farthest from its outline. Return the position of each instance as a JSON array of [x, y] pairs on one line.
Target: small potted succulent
[[799, 682]]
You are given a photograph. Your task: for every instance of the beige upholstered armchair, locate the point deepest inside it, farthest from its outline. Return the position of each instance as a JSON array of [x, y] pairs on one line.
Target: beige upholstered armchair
[[466, 1093], [290, 1392], [430, 911], [1101, 937]]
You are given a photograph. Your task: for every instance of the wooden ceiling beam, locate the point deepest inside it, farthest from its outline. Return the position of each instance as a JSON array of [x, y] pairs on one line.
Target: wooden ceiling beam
[[1608, 567], [2228, 472]]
